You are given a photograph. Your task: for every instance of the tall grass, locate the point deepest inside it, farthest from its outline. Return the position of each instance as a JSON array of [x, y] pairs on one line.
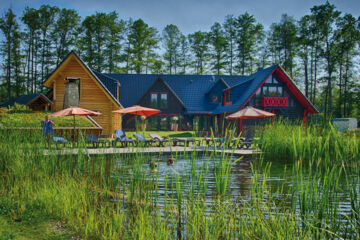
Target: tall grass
[[124, 197]]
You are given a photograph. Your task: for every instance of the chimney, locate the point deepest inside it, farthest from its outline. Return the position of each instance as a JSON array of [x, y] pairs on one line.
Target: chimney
[[117, 90], [72, 92]]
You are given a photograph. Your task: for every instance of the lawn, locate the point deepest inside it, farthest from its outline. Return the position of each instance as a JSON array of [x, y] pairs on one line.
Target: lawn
[[11, 118]]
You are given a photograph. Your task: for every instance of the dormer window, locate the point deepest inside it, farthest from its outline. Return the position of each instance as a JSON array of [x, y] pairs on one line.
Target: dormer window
[[226, 97]]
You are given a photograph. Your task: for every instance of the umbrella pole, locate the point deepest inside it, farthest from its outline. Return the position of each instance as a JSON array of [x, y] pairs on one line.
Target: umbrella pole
[[241, 127], [74, 128]]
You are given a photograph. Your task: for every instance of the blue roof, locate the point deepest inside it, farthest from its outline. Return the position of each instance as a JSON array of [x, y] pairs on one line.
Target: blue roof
[[190, 89], [24, 99], [242, 91]]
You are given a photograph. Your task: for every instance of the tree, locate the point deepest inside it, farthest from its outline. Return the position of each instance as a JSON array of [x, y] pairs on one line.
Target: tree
[[114, 37], [142, 42], [10, 29], [248, 33], [230, 35], [199, 44], [347, 36], [64, 33], [171, 37], [219, 44], [325, 16], [30, 18], [284, 42], [184, 54], [305, 43], [47, 16]]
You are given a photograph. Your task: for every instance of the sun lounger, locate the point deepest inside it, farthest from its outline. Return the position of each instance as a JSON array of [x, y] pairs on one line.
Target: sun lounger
[[121, 136], [59, 140], [91, 138], [142, 139], [159, 139], [242, 143], [184, 141]]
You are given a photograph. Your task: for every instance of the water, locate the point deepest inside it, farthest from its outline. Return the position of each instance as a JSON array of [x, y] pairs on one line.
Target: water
[[196, 174]]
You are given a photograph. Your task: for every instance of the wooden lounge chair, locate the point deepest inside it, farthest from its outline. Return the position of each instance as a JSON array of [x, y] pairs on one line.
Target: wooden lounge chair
[[242, 143], [91, 138], [121, 136], [142, 139], [157, 138], [59, 140], [184, 141]]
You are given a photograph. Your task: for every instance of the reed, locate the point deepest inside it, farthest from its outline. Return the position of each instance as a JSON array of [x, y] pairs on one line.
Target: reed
[[122, 197]]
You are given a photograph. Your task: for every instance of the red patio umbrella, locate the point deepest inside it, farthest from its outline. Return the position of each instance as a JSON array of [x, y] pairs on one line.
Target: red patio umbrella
[[138, 110], [73, 111], [249, 112]]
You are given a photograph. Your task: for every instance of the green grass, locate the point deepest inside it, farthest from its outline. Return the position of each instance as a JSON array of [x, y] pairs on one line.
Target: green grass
[[26, 118], [39, 228], [37, 192]]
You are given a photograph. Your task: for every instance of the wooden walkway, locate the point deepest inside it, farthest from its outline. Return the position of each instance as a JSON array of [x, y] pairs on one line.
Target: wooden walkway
[[129, 150]]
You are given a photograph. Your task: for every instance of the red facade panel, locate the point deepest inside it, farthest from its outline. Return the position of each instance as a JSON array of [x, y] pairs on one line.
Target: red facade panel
[[274, 102]]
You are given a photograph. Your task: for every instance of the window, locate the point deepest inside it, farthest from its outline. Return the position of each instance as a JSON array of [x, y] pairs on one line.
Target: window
[[163, 101], [159, 100], [153, 100], [258, 93], [265, 91], [226, 97], [272, 91]]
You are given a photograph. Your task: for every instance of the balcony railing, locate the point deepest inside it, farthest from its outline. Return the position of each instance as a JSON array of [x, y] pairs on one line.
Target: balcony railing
[[274, 102]]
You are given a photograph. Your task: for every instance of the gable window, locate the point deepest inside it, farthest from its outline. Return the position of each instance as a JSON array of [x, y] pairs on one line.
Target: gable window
[[163, 100], [226, 97], [153, 100], [159, 100]]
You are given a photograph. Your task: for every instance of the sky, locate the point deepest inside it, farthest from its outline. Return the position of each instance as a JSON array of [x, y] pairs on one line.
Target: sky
[[188, 15]]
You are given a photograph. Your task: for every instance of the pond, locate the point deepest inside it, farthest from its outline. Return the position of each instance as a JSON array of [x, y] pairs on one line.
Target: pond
[[205, 175]]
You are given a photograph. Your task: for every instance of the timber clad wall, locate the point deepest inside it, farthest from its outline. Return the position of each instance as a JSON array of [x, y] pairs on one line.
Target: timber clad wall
[[92, 96]]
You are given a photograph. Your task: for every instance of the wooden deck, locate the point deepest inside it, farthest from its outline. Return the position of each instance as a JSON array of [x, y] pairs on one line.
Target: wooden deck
[[129, 150]]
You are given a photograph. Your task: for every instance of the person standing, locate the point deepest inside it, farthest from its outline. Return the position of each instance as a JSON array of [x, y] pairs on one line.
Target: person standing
[[47, 128]]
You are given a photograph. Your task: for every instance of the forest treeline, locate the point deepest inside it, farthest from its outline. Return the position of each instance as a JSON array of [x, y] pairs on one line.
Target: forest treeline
[[320, 51]]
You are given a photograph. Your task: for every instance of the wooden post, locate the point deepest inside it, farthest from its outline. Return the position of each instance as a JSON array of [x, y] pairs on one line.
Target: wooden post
[[305, 117], [215, 125]]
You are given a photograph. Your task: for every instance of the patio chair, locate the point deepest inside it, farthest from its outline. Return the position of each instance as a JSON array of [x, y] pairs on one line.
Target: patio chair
[[142, 139], [121, 136], [92, 138], [59, 140], [184, 141], [243, 143], [157, 138]]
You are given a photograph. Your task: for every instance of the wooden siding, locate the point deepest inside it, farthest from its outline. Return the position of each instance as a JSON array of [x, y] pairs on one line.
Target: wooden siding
[[92, 96]]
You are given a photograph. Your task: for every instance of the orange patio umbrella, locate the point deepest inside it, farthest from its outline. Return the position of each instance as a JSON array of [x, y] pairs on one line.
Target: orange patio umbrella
[[138, 110], [73, 111], [248, 113]]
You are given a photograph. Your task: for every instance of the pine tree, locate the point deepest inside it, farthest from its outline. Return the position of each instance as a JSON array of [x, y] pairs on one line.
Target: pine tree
[[64, 34], [230, 35], [171, 38], [199, 45], [219, 45], [143, 41], [248, 32], [325, 16], [10, 28]]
